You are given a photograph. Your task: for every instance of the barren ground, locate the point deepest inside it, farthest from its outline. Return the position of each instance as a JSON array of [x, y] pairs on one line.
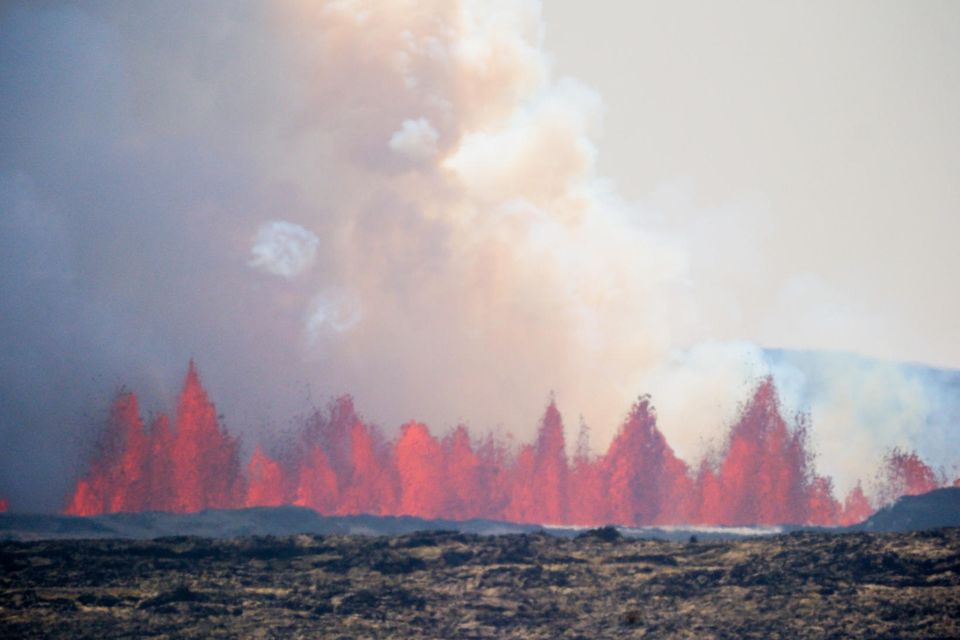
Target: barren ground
[[453, 585]]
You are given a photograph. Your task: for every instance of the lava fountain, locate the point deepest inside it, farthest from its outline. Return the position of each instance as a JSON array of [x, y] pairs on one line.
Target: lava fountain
[[338, 464]]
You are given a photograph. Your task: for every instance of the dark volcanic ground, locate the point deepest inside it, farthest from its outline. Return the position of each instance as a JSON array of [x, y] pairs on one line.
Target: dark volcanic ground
[[455, 585]]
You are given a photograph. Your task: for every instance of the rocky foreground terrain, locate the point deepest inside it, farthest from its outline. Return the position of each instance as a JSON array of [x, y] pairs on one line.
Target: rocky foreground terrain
[[456, 585]]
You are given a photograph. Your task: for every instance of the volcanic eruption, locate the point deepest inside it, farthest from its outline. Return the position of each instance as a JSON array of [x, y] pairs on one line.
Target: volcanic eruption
[[416, 203], [338, 464]]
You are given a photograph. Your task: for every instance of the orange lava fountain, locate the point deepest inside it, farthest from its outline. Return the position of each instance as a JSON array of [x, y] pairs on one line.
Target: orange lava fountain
[[340, 465]]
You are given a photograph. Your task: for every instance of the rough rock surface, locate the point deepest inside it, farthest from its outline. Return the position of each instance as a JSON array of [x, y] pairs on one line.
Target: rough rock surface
[[456, 585], [937, 508]]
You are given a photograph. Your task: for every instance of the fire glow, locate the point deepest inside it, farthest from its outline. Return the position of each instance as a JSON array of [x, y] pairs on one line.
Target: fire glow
[[340, 465]]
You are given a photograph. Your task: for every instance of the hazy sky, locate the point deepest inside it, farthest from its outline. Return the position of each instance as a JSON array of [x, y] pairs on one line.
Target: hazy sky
[[451, 208], [825, 133]]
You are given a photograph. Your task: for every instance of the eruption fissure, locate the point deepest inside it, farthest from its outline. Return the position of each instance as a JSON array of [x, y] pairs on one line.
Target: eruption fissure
[[340, 465]]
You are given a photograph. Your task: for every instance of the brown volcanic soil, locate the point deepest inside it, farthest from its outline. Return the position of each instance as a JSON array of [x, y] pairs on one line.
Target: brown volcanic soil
[[453, 585]]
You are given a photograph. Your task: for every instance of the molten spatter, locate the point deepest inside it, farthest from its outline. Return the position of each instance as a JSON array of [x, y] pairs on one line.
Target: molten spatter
[[856, 507], [418, 458], [3, 505], [764, 476], [265, 482], [539, 480], [190, 468], [206, 468], [118, 479], [645, 482], [339, 465], [904, 474]]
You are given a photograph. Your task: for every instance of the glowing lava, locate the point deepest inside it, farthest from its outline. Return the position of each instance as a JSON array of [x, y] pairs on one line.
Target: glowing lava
[[191, 468], [340, 465], [904, 473]]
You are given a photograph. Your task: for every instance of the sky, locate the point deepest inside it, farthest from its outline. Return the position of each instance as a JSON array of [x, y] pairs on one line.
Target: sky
[[453, 208], [824, 132]]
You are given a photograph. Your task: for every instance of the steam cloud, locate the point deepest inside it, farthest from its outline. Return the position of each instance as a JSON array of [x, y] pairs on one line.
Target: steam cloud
[[393, 199]]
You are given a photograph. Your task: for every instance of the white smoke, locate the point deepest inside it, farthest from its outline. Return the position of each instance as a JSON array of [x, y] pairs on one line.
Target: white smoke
[[332, 310], [859, 408], [416, 139], [284, 249], [698, 393]]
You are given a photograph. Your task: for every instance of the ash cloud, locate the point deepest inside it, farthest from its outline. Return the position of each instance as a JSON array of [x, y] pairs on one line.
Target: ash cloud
[[444, 249]]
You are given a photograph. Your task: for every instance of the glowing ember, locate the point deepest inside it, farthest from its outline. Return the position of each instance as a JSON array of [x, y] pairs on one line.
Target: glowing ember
[[339, 465]]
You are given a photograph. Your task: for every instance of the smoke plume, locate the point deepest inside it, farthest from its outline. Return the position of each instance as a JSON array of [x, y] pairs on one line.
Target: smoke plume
[[393, 199]]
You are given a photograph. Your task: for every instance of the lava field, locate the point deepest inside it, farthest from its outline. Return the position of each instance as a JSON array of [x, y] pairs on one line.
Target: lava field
[[454, 585]]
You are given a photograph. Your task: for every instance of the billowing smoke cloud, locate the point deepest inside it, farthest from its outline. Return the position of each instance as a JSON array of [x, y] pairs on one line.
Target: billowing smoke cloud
[[394, 199]]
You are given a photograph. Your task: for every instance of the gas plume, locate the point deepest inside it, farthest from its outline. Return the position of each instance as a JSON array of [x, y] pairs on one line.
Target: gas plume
[[394, 198], [337, 464]]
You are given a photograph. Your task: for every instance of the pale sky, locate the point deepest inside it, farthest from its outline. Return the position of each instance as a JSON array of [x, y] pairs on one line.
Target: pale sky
[[814, 146]]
